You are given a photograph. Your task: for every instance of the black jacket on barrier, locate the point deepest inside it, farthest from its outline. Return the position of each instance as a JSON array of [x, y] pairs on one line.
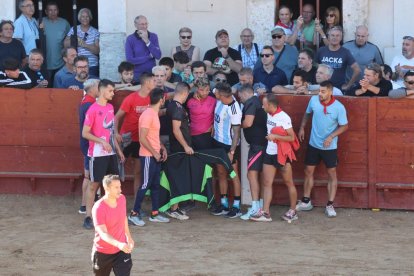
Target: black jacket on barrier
[[189, 177]]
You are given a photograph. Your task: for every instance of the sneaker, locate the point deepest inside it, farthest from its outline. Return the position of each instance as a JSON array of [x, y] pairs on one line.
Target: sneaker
[[143, 213], [219, 210], [249, 213], [158, 218], [290, 215], [234, 212], [330, 211], [88, 223], [261, 217], [177, 214], [82, 210], [302, 206], [187, 206], [136, 219]]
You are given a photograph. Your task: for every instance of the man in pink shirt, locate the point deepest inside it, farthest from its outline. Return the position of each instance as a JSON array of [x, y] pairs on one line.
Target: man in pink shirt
[[200, 107], [113, 243], [151, 154], [98, 128]]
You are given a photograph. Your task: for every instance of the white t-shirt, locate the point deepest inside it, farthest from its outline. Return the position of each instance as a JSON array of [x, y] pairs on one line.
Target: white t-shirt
[[280, 119], [401, 60]]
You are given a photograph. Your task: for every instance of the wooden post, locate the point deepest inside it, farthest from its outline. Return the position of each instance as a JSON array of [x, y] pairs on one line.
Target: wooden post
[[372, 153]]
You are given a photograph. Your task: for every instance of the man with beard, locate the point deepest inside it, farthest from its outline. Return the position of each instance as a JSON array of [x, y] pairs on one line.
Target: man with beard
[[126, 123], [403, 63], [81, 74], [328, 122], [98, 128]]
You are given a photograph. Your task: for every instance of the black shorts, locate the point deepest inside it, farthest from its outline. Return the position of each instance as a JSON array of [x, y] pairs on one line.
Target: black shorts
[[132, 150], [271, 159], [314, 156], [103, 165], [255, 158], [202, 141], [86, 162], [103, 264], [236, 156]]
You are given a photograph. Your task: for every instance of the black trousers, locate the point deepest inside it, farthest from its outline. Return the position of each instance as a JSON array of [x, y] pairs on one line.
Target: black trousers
[[103, 264]]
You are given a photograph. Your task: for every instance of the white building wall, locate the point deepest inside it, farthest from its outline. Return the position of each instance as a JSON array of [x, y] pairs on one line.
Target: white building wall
[[112, 27], [7, 9], [204, 17]]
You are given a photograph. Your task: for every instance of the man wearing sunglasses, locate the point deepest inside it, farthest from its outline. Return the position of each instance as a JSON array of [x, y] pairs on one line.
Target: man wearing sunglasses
[[268, 73], [407, 91], [401, 64], [223, 58], [286, 56]]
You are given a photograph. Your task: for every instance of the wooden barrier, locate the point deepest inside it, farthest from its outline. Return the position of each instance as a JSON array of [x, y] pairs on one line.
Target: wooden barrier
[[39, 148]]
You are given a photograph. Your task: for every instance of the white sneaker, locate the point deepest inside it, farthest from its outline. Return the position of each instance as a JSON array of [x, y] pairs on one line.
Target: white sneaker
[[136, 220], [249, 213], [302, 206], [158, 218], [330, 211], [177, 214]]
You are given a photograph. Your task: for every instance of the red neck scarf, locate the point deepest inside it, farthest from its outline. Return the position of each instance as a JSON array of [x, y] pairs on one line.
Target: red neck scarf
[[278, 110], [331, 101], [279, 23]]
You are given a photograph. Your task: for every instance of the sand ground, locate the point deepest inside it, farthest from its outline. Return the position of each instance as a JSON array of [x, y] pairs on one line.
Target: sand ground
[[43, 235]]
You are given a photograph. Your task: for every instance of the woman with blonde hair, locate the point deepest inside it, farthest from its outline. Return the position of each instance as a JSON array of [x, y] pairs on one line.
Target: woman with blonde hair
[[185, 36], [332, 19]]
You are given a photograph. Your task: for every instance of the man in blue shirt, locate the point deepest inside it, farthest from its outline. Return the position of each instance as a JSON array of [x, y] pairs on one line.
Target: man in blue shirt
[[81, 74], [268, 73], [328, 122], [66, 72]]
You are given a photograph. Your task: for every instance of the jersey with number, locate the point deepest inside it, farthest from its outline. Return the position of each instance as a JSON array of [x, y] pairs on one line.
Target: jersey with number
[[226, 116], [275, 120]]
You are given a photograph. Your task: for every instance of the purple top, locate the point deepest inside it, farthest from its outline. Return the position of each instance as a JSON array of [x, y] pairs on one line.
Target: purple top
[[141, 55]]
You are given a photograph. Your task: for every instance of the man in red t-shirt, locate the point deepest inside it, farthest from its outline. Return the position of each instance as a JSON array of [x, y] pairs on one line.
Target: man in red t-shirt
[[113, 244], [126, 123]]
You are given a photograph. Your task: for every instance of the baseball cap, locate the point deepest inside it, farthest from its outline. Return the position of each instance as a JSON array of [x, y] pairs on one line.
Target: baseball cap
[[220, 32]]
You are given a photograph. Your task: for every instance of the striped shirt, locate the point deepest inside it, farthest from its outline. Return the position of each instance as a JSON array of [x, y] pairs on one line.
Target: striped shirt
[[226, 116], [90, 37]]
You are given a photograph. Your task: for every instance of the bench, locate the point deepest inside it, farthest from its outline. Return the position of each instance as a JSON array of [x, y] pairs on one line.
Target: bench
[[32, 176]]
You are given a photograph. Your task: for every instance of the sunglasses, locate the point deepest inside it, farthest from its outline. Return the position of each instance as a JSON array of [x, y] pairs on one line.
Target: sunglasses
[[221, 80], [265, 55], [410, 82], [277, 36], [408, 37], [330, 15], [185, 37], [85, 37]]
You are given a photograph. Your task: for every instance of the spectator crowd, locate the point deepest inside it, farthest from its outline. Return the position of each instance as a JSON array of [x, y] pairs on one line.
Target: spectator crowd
[[183, 103]]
